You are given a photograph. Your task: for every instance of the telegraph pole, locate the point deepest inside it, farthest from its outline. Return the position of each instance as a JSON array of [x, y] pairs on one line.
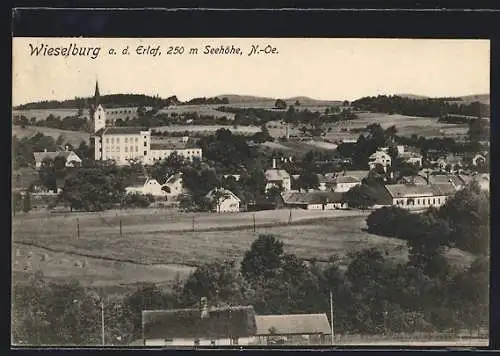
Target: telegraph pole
[[77, 228], [331, 316], [102, 323], [253, 222]]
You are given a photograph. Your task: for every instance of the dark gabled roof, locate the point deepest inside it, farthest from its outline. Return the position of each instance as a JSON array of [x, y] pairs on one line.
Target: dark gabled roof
[[123, 130], [226, 322], [294, 324]]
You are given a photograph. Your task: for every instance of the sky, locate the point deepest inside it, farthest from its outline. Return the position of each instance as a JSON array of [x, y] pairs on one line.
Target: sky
[[326, 69]]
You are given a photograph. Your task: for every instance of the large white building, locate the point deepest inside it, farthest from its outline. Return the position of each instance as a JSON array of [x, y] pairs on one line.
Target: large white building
[[133, 144]]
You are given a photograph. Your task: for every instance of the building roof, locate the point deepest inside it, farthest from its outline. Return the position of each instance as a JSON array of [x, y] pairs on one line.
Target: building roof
[[210, 194], [238, 321], [446, 179], [419, 190], [444, 189], [40, 156], [414, 179], [316, 197], [276, 174], [357, 174], [294, 324], [138, 181], [347, 179], [174, 178], [123, 130]]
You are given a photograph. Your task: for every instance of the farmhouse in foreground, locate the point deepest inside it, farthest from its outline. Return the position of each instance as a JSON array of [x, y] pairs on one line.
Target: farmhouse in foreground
[[233, 325]]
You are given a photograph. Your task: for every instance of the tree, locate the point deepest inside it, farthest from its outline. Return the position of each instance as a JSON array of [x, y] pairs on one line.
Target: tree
[[263, 258], [17, 202], [27, 202], [479, 129], [220, 282], [147, 296], [468, 215], [280, 104], [388, 221], [361, 197], [93, 189]]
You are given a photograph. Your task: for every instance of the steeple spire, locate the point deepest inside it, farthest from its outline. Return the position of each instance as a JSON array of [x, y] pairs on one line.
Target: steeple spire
[[97, 96]]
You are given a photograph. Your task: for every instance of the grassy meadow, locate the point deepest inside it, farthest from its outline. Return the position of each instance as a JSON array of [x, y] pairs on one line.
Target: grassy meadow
[[158, 246]]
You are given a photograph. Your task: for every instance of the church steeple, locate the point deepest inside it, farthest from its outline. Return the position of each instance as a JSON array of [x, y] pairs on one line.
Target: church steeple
[[97, 96]]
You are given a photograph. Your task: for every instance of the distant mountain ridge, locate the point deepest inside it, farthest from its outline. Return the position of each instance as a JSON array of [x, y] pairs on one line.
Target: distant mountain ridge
[[136, 99]]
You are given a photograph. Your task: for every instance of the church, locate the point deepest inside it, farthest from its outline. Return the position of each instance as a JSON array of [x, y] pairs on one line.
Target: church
[[126, 145]]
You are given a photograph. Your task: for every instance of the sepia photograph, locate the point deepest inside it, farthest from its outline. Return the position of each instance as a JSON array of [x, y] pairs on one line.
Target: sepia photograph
[[250, 192]]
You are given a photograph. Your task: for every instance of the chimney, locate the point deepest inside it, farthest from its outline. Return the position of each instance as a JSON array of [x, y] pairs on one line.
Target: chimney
[[204, 307], [274, 163]]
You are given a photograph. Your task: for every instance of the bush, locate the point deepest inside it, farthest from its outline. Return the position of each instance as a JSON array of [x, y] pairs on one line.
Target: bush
[[136, 200], [388, 221]]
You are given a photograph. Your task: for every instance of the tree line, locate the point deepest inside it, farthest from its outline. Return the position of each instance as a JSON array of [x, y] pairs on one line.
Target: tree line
[[394, 104]]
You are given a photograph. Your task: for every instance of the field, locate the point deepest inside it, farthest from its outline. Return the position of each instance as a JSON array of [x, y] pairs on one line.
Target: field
[[41, 114], [158, 245], [73, 137], [406, 126], [207, 110], [208, 129]]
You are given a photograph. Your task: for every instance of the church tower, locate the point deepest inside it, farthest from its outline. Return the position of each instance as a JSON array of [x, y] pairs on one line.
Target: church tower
[[98, 113]]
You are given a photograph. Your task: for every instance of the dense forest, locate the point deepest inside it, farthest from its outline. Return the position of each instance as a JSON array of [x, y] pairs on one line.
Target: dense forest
[[109, 101], [420, 107]]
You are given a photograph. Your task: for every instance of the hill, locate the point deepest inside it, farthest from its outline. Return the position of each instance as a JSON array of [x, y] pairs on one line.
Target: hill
[[259, 100]]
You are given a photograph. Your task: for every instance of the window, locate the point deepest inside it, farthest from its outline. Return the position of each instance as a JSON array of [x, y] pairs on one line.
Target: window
[[112, 140], [117, 140], [197, 342], [136, 148], [433, 201], [234, 341], [145, 144], [126, 139], [126, 149], [136, 139], [118, 149], [145, 153], [107, 140], [212, 342]]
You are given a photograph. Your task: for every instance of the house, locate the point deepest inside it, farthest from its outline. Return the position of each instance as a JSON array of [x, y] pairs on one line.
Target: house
[[224, 200], [323, 182], [418, 197], [292, 328], [314, 200], [174, 186], [450, 162], [145, 186], [71, 157], [277, 177], [128, 144], [344, 183], [358, 174], [379, 157], [478, 160], [417, 179], [202, 326], [484, 181], [453, 179], [412, 158]]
